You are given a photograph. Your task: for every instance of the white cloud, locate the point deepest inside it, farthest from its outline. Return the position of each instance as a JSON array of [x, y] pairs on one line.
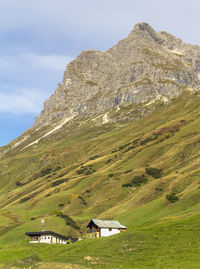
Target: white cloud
[[22, 90], [59, 18], [52, 62], [47, 62], [101, 19], [34, 61], [21, 101]]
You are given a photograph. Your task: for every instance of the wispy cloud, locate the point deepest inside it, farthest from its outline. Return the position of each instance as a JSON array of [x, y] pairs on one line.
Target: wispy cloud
[[22, 90], [48, 62], [21, 101], [34, 61], [59, 18]]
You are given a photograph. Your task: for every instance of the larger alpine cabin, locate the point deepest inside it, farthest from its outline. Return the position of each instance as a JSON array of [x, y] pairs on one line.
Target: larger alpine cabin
[[101, 228]]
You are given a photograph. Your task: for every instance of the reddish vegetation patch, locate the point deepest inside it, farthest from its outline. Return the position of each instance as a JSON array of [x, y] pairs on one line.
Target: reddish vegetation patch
[[171, 129]]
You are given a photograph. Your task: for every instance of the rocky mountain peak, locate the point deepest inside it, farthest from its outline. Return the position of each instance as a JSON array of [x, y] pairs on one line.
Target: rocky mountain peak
[[145, 28], [142, 69], [144, 31]]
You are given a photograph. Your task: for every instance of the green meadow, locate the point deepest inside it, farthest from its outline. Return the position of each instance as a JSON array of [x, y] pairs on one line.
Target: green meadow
[[121, 171]]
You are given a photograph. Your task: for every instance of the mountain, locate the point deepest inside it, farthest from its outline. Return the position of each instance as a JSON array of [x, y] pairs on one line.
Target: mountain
[[141, 69], [122, 83], [119, 139]]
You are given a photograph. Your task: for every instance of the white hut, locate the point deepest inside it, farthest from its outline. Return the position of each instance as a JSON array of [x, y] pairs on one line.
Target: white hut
[[48, 237]]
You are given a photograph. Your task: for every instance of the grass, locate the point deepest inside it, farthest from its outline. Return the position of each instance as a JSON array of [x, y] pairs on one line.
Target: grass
[[166, 245], [163, 146]]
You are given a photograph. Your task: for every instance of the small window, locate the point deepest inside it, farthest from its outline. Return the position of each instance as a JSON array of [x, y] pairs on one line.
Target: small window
[[110, 229], [45, 238], [48, 237]]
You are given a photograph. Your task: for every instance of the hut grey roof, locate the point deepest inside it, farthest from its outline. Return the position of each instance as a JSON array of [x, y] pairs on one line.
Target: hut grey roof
[[47, 233], [101, 223]]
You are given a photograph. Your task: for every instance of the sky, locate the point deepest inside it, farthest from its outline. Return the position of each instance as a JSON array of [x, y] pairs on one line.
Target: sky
[[38, 38]]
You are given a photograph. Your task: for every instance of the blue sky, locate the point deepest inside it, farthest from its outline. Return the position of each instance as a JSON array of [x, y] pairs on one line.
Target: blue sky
[[39, 37]]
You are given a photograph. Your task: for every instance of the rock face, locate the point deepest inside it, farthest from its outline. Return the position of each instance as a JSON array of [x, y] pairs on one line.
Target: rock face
[[145, 67]]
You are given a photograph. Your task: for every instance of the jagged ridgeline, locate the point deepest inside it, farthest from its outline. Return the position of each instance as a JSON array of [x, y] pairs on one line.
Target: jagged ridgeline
[[143, 68], [119, 139], [125, 82]]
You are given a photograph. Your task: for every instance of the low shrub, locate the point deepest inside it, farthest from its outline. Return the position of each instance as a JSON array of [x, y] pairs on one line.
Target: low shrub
[[127, 185], [45, 172], [57, 168], [154, 172], [136, 141], [108, 161], [146, 140], [87, 170], [123, 146], [82, 200], [81, 171], [158, 189], [68, 221], [60, 175], [129, 148], [127, 171], [19, 184], [172, 198], [60, 181], [94, 157], [23, 200], [87, 191], [136, 181]]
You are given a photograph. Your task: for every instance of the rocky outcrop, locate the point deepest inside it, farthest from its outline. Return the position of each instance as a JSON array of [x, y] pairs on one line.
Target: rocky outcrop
[[143, 68]]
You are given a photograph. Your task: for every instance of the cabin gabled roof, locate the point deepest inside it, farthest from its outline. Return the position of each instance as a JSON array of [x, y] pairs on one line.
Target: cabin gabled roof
[[101, 223], [48, 233]]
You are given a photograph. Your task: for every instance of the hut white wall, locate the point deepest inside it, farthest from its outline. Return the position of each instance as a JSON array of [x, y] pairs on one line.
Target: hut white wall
[[106, 232], [33, 242], [58, 240], [49, 239], [45, 239]]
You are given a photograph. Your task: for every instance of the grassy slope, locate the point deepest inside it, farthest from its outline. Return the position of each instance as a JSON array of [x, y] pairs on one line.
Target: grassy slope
[[166, 245], [168, 139]]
